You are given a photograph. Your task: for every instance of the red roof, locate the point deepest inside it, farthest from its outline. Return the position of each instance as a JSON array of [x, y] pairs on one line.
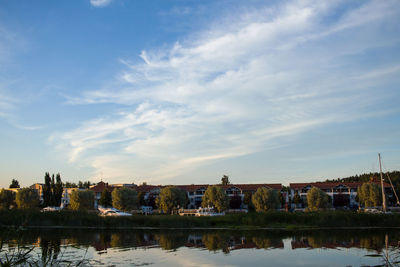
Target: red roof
[[328, 185], [99, 187]]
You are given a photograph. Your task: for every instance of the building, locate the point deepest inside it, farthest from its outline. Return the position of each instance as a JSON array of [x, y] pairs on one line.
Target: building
[[342, 194]]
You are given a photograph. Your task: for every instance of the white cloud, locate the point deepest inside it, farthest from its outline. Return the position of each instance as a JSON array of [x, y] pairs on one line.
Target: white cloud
[[235, 89], [100, 3]]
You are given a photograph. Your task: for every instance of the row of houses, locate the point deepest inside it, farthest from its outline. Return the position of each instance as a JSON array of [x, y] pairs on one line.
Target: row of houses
[[342, 194]]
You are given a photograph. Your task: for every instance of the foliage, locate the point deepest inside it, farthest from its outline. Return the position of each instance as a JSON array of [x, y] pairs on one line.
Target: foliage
[[82, 200], [369, 194], [14, 183], [47, 194], [105, 199], [317, 199], [27, 198], [84, 185], [297, 199], [171, 198], [225, 180], [265, 199], [216, 197], [124, 198], [52, 190], [58, 190], [248, 202], [70, 185], [140, 199], [7, 198]]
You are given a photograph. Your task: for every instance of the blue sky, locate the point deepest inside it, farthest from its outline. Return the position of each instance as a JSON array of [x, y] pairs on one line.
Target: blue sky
[[178, 92]]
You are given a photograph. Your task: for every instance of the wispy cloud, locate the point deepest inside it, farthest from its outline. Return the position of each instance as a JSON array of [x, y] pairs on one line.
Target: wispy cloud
[[235, 89], [100, 3]]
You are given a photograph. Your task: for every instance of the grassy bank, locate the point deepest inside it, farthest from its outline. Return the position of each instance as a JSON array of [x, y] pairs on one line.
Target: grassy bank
[[19, 218]]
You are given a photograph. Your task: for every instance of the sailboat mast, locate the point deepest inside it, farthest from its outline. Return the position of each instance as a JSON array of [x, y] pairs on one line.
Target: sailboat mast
[[383, 189]]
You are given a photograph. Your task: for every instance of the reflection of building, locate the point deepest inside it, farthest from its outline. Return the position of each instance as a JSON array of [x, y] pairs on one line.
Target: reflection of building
[[341, 193]]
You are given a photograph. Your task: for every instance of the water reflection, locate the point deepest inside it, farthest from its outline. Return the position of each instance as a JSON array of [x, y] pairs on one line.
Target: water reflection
[[379, 243]]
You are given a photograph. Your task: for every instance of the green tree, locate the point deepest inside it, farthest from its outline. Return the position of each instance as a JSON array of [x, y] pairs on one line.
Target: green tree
[[14, 183], [369, 195], [58, 190], [140, 199], [265, 199], [216, 197], [171, 198], [105, 199], [317, 199], [27, 198], [124, 198], [225, 180], [247, 201], [7, 198], [82, 200], [47, 194], [297, 199], [53, 189]]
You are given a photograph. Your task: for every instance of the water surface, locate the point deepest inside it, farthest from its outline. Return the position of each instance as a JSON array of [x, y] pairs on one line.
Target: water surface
[[206, 247]]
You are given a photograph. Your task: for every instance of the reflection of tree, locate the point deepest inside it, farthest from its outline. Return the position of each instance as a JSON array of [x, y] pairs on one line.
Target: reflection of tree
[[264, 242], [116, 240], [171, 241], [50, 249], [216, 241]]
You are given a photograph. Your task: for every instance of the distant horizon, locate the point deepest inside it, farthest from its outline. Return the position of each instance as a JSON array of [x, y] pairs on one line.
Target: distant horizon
[[177, 92]]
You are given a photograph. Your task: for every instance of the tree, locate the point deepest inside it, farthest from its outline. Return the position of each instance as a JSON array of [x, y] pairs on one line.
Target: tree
[[47, 194], [215, 196], [317, 199], [265, 199], [53, 189], [7, 198], [58, 190], [247, 201], [140, 199], [14, 183], [171, 198], [369, 194], [297, 199], [105, 199], [82, 200], [27, 198], [124, 198], [225, 180]]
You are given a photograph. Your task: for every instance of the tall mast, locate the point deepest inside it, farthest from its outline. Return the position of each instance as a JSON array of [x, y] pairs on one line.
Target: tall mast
[[383, 189]]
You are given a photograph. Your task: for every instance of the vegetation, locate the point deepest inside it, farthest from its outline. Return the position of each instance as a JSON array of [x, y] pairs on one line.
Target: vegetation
[[140, 199], [369, 195], [265, 199], [248, 202], [124, 198], [7, 199], [105, 199], [52, 190], [27, 198], [297, 199], [14, 183], [317, 200], [277, 220], [216, 197], [81, 185], [82, 200], [171, 198], [225, 180]]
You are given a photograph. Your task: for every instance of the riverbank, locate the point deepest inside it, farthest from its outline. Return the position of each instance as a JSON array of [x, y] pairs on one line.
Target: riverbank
[[269, 220]]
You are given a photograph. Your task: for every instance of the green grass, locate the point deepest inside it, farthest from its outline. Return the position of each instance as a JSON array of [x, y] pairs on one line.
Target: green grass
[[24, 218]]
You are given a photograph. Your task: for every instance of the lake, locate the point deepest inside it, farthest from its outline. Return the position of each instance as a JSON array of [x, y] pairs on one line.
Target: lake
[[203, 247]]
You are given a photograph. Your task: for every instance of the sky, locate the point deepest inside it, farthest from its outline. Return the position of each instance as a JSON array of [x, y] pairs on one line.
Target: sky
[[185, 91]]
